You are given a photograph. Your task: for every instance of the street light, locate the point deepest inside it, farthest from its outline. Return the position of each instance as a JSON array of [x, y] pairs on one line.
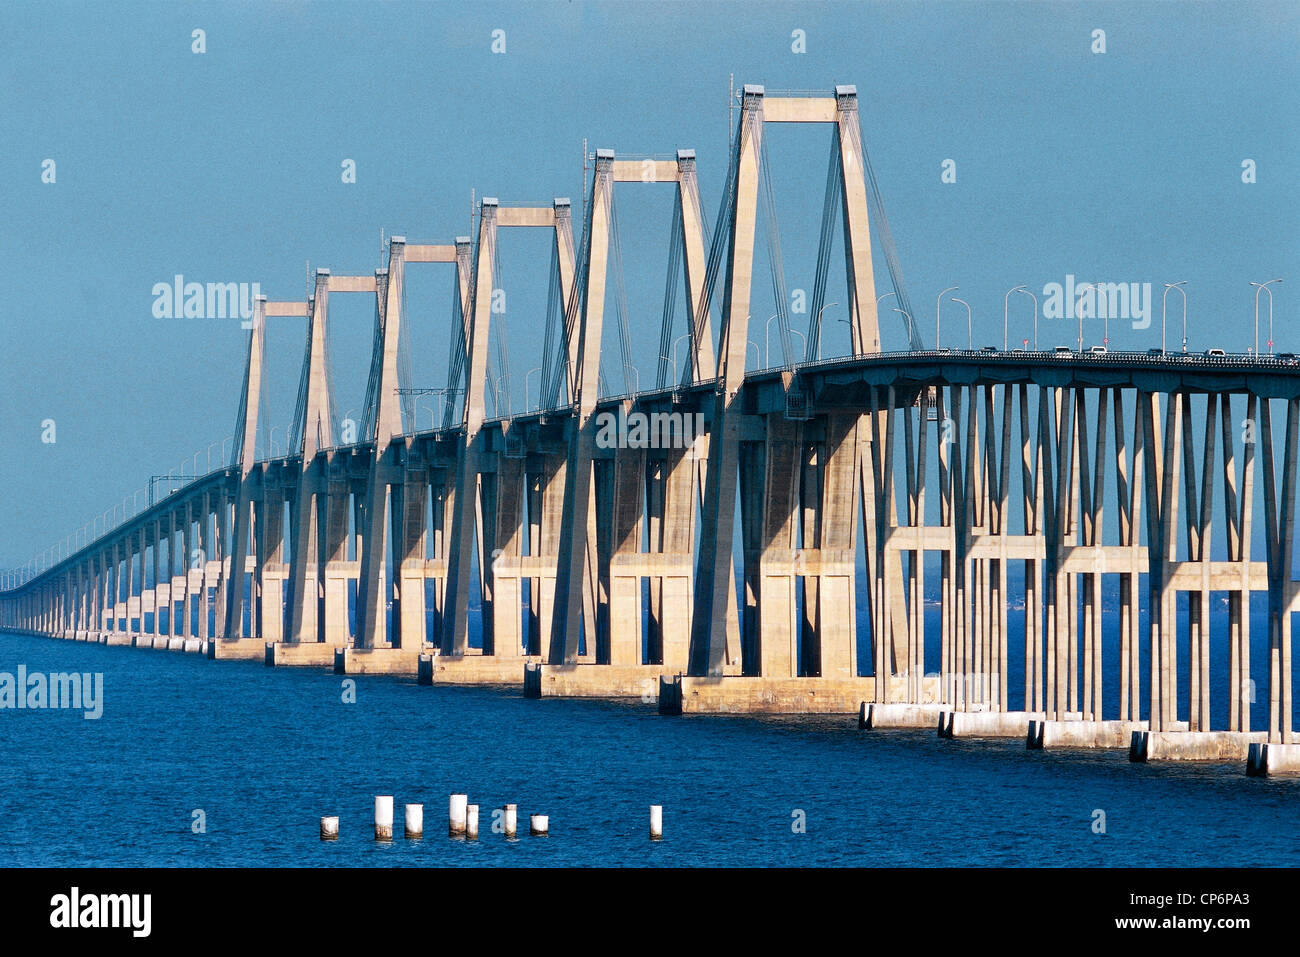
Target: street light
[[803, 342], [819, 330], [503, 385], [905, 315], [970, 335], [684, 335], [1020, 289], [1183, 293], [539, 390], [1093, 287], [937, 301], [1005, 308], [853, 336], [1264, 286], [767, 342]]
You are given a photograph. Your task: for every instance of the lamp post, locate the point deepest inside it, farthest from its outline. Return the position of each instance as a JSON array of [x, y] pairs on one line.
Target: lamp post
[[1026, 292], [970, 335], [905, 315], [767, 342], [937, 301], [684, 335], [1264, 286], [852, 334], [1163, 298], [879, 300], [1006, 305], [1084, 285], [539, 391], [819, 330]]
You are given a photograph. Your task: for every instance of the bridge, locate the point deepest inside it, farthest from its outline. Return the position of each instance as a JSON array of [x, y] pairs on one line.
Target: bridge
[[739, 539]]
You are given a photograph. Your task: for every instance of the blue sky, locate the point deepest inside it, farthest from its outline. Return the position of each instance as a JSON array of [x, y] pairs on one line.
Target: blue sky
[[225, 167]]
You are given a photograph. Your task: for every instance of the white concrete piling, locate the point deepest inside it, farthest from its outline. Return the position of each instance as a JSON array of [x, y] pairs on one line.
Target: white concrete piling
[[456, 809], [538, 825], [656, 822], [383, 817], [414, 821], [471, 822], [512, 819], [329, 829]]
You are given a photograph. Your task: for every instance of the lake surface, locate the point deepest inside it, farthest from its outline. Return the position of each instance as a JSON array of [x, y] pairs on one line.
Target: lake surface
[[264, 753]]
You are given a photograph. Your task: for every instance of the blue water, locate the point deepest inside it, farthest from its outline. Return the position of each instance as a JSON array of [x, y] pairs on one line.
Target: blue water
[[265, 753]]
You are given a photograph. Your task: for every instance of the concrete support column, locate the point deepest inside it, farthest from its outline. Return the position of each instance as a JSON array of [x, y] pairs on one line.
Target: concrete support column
[[625, 475], [335, 628]]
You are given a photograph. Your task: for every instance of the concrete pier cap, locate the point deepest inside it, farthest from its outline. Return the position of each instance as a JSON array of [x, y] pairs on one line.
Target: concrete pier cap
[[489, 201], [560, 202], [753, 89]]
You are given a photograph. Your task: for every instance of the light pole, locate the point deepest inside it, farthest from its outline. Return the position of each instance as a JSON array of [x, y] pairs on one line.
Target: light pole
[[802, 340], [937, 301], [853, 337], [970, 335], [819, 329], [1264, 286], [684, 335], [905, 315], [767, 342], [1093, 287], [1026, 292], [539, 392], [1163, 298], [1006, 301], [879, 300]]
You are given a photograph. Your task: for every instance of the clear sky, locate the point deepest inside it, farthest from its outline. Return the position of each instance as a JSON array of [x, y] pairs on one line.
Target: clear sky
[[226, 166]]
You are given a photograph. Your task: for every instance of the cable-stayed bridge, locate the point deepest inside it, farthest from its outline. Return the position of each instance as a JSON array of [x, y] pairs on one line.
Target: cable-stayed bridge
[[740, 539]]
